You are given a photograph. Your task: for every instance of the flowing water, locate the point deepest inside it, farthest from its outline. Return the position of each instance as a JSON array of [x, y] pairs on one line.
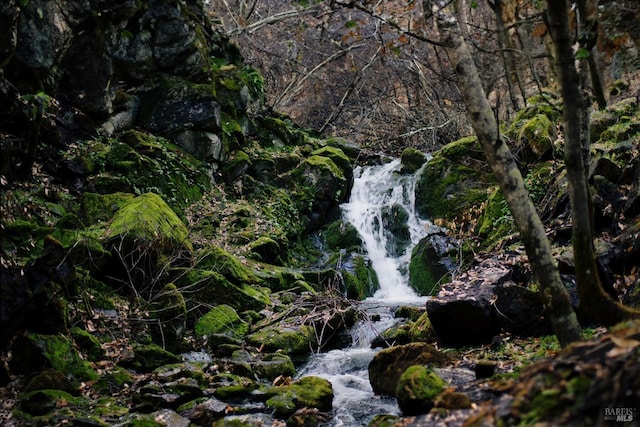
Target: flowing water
[[376, 190]]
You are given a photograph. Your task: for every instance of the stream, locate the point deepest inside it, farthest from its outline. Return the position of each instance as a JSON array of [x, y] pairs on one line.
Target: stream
[[376, 190]]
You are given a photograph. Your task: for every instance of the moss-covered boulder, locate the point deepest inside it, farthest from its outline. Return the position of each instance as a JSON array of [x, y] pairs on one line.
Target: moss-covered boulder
[[395, 220], [33, 352], [289, 339], [427, 271], [389, 364], [88, 344], [221, 325], [417, 388], [327, 185], [206, 288], [147, 357], [310, 392], [41, 402], [360, 279], [342, 235], [421, 330], [453, 181], [412, 160], [267, 250], [535, 138]]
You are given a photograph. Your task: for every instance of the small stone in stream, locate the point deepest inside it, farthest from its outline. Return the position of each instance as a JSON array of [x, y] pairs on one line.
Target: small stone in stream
[[485, 369]]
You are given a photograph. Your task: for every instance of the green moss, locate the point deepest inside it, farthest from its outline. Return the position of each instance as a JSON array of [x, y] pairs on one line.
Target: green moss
[[311, 392], [538, 133], [421, 330], [98, 208], [417, 387], [362, 282], [89, 344], [453, 181], [412, 159], [337, 156], [217, 259], [149, 219], [326, 164], [496, 220], [289, 340], [222, 320], [62, 356], [40, 402], [205, 287], [342, 235]]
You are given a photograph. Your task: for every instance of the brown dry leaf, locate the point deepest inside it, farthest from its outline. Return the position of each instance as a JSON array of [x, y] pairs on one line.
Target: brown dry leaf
[[623, 346]]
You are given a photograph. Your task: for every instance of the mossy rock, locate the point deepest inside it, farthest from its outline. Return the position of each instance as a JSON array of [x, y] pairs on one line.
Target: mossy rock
[[51, 379], [41, 402], [221, 324], [237, 165], [421, 330], [134, 162], [38, 351], [205, 288], [148, 357], [217, 259], [453, 181], [342, 235], [147, 218], [338, 157], [496, 220], [426, 271], [535, 138], [417, 388], [311, 392], [291, 340], [394, 223], [230, 386], [412, 160], [88, 344], [267, 250], [98, 208], [169, 310]]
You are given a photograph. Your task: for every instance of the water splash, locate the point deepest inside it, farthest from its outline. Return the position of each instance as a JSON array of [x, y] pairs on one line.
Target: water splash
[[377, 190]]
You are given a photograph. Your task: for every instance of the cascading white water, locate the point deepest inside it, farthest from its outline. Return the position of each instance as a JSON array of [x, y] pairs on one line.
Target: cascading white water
[[376, 189]]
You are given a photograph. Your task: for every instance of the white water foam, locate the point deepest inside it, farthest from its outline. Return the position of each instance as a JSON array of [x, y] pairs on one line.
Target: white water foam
[[376, 188]]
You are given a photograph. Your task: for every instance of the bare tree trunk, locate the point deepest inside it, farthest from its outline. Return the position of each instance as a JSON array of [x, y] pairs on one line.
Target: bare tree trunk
[[502, 162], [512, 73], [595, 303]]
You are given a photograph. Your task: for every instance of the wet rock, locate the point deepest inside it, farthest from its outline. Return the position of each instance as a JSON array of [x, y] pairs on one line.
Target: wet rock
[[394, 224], [389, 364], [310, 392], [429, 267], [411, 160]]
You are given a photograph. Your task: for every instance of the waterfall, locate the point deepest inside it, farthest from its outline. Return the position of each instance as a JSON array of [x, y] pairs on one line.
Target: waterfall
[[378, 192]]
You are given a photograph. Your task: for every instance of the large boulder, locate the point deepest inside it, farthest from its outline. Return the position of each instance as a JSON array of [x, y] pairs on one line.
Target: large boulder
[[389, 364], [453, 180], [144, 232], [482, 303]]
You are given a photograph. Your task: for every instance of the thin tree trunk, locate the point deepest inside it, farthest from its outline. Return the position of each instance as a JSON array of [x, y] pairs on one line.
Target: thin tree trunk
[[511, 67], [595, 303], [502, 162]]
